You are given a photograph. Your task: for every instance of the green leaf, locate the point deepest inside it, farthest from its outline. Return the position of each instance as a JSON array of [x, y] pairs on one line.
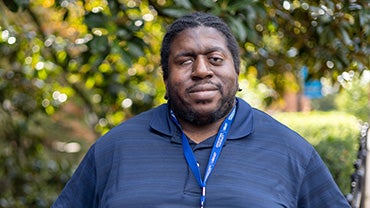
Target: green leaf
[[347, 40], [252, 36], [123, 34], [99, 44], [126, 58], [96, 20], [238, 28], [207, 3], [22, 3], [135, 49], [240, 4], [175, 11], [12, 6], [183, 3]]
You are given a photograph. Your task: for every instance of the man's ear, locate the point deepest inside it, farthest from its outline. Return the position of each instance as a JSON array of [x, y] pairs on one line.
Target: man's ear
[[239, 89]]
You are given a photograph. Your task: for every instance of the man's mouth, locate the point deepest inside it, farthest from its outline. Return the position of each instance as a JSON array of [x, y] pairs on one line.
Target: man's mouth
[[203, 87], [203, 91]]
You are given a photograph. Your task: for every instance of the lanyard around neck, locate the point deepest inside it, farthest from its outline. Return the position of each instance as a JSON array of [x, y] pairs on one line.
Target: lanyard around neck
[[215, 153]]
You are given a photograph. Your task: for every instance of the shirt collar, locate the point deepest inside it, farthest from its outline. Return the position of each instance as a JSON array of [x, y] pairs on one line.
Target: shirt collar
[[241, 127], [243, 122]]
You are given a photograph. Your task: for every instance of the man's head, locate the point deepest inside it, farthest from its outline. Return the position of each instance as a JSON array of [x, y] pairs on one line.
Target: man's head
[[192, 21], [201, 67]]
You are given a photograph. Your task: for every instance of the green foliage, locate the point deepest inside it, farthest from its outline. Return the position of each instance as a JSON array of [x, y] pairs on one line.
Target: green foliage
[[32, 173], [354, 99], [16, 4], [256, 93], [99, 50], [103, 56], [335, 135]]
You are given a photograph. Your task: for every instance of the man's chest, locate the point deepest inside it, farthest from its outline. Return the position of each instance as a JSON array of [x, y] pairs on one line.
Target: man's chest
[[162, 178]]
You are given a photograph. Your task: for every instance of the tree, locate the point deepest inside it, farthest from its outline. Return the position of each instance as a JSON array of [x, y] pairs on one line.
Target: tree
[[102, 51], [104, 57]]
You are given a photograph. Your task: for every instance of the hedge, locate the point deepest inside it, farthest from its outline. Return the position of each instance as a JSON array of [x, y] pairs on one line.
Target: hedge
[[335, 135]]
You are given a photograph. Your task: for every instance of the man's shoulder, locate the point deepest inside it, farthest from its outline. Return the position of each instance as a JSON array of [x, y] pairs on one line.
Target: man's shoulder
[[144, 118], [262, 121], [159, 111], [268, 128], [268, 122]]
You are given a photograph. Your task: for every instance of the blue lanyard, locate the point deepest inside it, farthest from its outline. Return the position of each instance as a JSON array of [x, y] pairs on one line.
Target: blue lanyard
[[215, 153]]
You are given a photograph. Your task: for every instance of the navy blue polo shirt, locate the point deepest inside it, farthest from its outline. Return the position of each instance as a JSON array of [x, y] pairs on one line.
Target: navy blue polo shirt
[[140, 163]]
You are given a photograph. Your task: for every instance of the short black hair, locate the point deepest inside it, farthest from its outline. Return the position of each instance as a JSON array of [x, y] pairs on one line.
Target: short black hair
[[195, 20]]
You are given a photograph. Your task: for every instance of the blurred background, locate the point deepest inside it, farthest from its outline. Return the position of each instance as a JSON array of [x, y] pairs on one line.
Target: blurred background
[[70, 70]]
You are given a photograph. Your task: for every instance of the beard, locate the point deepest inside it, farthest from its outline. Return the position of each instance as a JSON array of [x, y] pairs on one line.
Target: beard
[[185, 112]]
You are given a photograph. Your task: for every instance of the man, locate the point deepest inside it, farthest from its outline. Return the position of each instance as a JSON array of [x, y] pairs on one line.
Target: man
[[205, 147]]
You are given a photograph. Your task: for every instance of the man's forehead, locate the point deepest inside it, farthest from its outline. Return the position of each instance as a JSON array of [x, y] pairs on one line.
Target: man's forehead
[[204, 38]]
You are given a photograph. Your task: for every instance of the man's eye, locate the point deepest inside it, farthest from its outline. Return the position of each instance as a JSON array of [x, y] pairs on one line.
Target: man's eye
[[215, 60], [186, 62]]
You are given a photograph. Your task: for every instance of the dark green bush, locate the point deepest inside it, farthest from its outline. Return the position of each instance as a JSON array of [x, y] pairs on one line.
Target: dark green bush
[[32, 172], [335, 135]]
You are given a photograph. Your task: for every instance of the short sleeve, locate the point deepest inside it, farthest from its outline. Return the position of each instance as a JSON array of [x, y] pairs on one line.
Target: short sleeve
[[318, 189], [80, 189]]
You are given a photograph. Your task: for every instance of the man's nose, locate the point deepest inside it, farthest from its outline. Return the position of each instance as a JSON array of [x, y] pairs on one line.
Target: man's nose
[[201, 68]]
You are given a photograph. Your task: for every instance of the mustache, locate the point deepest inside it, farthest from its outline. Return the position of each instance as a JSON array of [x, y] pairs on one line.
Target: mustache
[[207, 85]]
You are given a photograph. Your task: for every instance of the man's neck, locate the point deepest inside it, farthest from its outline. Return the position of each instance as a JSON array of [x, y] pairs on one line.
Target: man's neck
[[198, 133]]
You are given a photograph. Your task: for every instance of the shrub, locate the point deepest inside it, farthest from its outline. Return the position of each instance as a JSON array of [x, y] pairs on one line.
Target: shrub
[[335, 135], [32, 171], [354, 99]]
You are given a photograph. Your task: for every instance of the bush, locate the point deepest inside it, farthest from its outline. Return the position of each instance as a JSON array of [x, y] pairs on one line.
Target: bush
[[335, 135], [354, 99], [32, 171]]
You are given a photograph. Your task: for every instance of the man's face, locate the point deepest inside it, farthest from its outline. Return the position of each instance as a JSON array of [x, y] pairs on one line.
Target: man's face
[[202, 80]]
